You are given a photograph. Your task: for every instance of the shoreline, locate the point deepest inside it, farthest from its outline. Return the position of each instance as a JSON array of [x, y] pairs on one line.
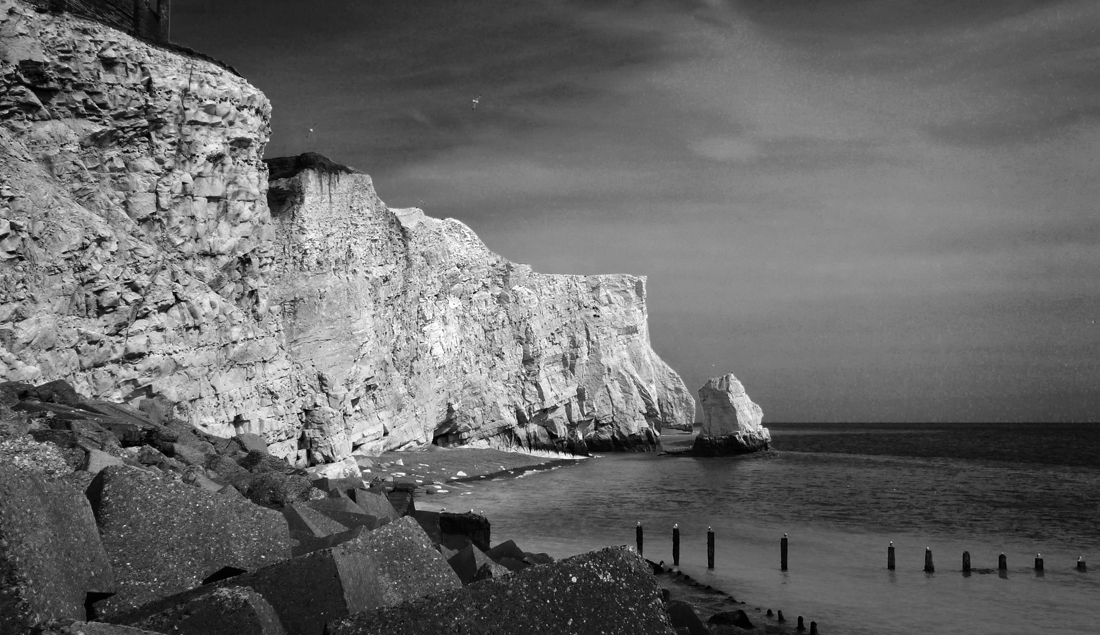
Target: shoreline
[[484, 464]]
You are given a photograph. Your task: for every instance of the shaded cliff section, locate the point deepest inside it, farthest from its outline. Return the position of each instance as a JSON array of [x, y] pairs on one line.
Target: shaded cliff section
[[139, 259]]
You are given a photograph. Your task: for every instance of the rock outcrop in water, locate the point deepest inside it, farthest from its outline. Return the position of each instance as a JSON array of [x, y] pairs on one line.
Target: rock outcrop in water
[[731, 421], [139, 260]]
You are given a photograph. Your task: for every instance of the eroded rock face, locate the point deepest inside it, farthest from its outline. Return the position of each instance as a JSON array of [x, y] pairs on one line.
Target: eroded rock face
[[134, 228], [417, 333], [731, 421], [139, 258]]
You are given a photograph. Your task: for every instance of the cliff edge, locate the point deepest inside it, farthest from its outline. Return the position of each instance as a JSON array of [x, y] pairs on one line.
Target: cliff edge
[[140, 259]]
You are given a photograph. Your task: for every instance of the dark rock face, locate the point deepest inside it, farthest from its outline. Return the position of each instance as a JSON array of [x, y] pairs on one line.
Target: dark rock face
[[163, 537], [50, 553], [606, 592]]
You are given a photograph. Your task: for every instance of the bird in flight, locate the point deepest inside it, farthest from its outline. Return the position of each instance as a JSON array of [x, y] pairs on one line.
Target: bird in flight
[[475, 102], [309, 133]]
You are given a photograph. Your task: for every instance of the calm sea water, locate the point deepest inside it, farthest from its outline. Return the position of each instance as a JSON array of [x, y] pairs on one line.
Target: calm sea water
[[842, 494]]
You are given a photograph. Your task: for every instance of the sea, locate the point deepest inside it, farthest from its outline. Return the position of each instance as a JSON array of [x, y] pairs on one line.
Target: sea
[[843, 494]]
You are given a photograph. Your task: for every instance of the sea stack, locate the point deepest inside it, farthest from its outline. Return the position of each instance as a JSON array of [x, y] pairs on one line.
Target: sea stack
[[731, 421]]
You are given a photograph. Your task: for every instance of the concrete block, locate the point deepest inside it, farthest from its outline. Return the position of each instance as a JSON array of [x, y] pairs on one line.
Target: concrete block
[[606, 592], [375, 504], [408, 564], [303, 518], [51, 556], [345, 512], [218, 611], [163, 536], [474, 526], [96, 460]]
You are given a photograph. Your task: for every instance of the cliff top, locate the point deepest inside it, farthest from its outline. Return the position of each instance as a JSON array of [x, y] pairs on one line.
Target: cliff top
[[286, 167]]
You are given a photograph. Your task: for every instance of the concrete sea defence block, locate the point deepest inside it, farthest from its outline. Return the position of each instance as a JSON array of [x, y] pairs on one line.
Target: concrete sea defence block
[[51, 557], [163, 537], [218, 611], [380, 568], [606, 592]]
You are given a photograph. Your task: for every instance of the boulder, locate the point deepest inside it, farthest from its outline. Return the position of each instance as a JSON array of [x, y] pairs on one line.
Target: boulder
[[731, 421], [251, 442], [736, 618], [682, 615], [51, 557], [163, 536], [606, 592]]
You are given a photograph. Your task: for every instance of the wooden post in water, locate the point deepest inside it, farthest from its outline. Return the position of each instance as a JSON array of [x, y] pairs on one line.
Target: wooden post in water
[[1038, 562], [1081, 563], [638, 534], [783, 553], [1002, 563], [890, 556], [710, 548], [928, 566], [801, 626], [676, 544], [966, 562], [813, 627]]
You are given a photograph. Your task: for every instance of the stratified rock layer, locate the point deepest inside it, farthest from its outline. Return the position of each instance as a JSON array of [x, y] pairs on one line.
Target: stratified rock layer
[[731, 421], [139, 258]]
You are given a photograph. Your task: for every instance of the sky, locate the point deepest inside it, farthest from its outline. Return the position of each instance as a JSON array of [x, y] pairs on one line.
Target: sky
[[867, 210]]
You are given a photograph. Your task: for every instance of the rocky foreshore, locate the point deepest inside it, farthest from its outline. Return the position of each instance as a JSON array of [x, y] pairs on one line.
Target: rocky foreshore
[[114, 519]]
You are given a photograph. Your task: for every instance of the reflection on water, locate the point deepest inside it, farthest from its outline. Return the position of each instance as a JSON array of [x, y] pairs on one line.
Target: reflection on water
[[840, 512]]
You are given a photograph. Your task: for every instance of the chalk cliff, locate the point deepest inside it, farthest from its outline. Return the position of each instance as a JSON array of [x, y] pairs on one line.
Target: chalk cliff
[[139, 259]]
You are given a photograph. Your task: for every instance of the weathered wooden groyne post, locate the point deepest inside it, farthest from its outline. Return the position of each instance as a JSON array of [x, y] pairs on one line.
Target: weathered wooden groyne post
[[638, 535], [1038, 562], [1002, 563], [710, 548], [928, 566], [1081, 563], [676, 544], [783, 553], [890, 556], [966, 562]]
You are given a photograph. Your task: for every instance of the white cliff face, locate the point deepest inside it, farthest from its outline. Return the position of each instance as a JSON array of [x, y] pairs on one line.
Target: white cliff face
[[452, 343], [139, 259], [731, 421], [134, 229]]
